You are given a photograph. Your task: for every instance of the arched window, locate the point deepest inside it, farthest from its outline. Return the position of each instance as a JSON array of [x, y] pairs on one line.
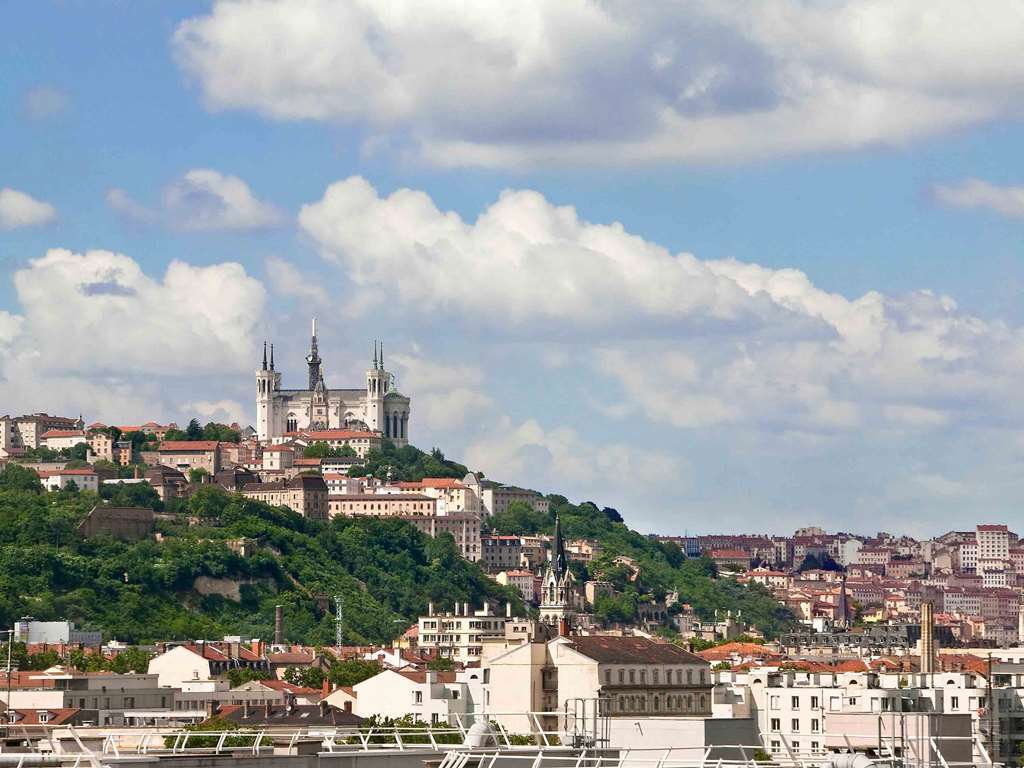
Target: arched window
[[394, 424]]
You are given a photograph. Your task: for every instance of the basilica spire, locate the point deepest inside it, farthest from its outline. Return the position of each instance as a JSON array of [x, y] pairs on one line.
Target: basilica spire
[[382, 355], [313, 360], [264, 355], [375, 354], [271, 356]]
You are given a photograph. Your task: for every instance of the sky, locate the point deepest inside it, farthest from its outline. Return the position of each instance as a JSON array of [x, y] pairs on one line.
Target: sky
[[722, 266]]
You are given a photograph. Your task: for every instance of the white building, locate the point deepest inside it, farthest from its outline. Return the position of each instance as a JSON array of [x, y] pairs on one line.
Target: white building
[[432, 697], [378, 407], [460, 635], [59, 479], [496, 500], [60, 439], [28, 630]]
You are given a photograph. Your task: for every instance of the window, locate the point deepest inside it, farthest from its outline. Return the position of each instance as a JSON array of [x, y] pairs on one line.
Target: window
[[654, 677], [833, 703], [814, 702], [776, 746], [689, 677], [773, 702], [794, 725], [794, 702], [955, 702], [776, 725], [417, 697], [815, 746], [608, 676], [815, 725], [632, 675], [796, 746], [44, 717]]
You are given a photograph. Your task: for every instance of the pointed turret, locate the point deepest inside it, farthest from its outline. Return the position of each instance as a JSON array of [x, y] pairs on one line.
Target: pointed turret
[[375, 355], [264, 355], [271, 357], [382, 355], [559, 561]]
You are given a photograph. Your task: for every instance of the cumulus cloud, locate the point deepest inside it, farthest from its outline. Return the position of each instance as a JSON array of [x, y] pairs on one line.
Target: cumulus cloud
[[97, 311], [287, 280], [18, 209], [446, 395], [527, 452], [721, 342], [221, 411], [97, 334], [201, 200], [612, 82], [975, 193]]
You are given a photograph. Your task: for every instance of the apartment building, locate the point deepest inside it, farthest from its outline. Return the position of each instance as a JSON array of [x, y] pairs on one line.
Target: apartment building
[[62, 439], [84, 479], [500, 553], [304, 494], [359, 441], [495, 500], [380, 505], [184, 455], [460, 634]]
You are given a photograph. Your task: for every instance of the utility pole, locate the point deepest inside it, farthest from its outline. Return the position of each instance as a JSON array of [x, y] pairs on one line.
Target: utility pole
[[991, 706], [10, 646], [339, 624]]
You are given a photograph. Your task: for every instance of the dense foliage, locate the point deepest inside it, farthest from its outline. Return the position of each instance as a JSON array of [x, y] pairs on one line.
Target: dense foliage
[[407, 463], [212, 431], [385, 570], [656, 569]]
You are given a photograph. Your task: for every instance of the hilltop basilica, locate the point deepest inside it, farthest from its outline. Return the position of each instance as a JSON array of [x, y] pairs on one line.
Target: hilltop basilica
[[378, 407]]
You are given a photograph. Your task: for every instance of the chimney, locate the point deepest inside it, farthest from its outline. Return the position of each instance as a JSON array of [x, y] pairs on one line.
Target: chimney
[[430, 608], [266, 709], [324, 708], [508, 610], [563, 627], [254, 646], [348, 706], [326, 689], [211, 709], [927, 638], [278, 625], [245, 709]]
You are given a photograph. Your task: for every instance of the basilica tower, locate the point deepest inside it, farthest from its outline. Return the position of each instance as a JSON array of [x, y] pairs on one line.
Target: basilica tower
[[268, 381]]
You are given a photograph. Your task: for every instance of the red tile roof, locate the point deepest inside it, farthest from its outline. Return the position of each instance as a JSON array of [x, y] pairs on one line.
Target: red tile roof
[[63, 433]]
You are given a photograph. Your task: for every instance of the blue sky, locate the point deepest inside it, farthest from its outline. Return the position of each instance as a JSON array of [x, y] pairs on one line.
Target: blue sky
[[733, 402]]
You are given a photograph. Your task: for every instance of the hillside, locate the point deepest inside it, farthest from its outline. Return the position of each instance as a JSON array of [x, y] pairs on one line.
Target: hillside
[[144, 591], [192, 583]]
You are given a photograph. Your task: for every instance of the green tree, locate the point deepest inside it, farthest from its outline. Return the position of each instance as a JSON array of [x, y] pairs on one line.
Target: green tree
[[352, 671], [17, 478], [242, 675]]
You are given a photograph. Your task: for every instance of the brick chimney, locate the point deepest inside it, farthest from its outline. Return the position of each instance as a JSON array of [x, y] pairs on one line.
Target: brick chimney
[[326, 688]]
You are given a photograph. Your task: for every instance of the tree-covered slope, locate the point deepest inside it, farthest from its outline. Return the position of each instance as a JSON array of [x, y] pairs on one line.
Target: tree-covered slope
[[385, 570]]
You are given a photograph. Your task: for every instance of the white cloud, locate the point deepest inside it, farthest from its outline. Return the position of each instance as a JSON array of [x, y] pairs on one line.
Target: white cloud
[[446, 395], [18, 209], [221, 411], [201, 200], [690, 343], [500, 84], [97, 335], [285, 279], [560, 459], [98, 312], [975, 193], [44, 102]]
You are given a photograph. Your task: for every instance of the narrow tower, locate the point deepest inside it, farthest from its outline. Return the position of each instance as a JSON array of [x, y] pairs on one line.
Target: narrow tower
[[313, 361], [556, 607], [376, 388], [267, 383]]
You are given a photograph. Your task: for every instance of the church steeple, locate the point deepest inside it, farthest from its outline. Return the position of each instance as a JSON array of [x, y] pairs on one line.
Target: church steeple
[[559, 561], [313, 360]]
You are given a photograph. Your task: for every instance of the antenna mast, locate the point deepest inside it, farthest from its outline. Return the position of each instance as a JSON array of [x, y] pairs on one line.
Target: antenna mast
[[339, 623]]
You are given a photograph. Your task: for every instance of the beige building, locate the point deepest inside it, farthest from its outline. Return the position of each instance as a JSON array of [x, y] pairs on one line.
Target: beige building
[[278, 458], [304, 494], [465, 529], [496, 500], [360, 441], [21, 433], [524, 581], [184, 455], [632, 677], [380, 505], [453, 496]]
